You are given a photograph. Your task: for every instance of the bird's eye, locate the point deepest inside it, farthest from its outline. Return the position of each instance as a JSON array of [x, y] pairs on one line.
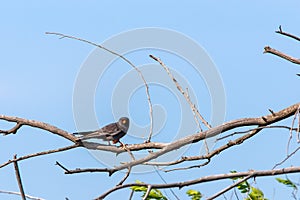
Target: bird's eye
[[124, 121]]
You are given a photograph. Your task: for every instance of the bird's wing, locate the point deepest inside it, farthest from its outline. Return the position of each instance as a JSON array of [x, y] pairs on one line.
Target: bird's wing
[[110, 131], [107, 133]]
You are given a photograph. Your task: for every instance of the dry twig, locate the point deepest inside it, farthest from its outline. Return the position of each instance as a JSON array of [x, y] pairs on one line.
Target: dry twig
[[126, 60], [18, 176], [185, 94]]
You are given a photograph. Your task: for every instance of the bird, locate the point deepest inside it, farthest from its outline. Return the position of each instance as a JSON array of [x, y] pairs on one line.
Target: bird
[[111, 132]]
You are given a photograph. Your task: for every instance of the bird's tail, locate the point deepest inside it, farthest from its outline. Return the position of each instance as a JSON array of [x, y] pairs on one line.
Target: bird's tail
[[85, 135]]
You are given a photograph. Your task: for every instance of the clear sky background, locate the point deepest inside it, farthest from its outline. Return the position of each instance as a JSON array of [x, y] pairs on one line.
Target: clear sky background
[[38, 72]]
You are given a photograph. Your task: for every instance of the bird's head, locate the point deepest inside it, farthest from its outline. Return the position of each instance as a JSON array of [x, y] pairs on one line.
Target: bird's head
[[123, 123]]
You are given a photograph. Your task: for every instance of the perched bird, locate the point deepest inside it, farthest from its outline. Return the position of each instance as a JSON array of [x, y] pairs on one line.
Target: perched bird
[[111, 132]]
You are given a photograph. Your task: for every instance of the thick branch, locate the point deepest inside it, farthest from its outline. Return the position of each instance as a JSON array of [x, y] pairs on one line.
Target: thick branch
[[211, 178], [40, 125], [260, 121]]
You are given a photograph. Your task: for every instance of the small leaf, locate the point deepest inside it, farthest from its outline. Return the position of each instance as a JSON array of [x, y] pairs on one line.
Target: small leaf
[[287, 182], [194, 194], [256, 194]]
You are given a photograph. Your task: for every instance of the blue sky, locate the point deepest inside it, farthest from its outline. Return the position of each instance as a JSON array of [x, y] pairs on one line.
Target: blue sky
[[38, 73]]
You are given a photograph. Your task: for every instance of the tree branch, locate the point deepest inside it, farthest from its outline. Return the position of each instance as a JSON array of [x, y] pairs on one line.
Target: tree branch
[[18, 176], [229, 187], [282, 55], [40, 125], [18, 193], [211, 178], [287, 34], [13, 130], [39, 154], [260, 121], [149, 187]]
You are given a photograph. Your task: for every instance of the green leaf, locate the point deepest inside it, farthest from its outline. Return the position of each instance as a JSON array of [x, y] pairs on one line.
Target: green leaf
[[194, 194], [255, 194], [287, 182], [154, 193]]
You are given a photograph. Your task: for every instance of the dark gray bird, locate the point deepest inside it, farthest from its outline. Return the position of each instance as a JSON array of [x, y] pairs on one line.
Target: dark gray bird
[[111, 132]]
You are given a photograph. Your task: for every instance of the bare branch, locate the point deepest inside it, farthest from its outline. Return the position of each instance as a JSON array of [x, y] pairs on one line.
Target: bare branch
[[131, 147], [149, 187], [185, 94], [229, 188], [211, 178], [286, 158], [260, 121], [260, 127], [282, 55], [18, 176], [215, 152], [126, 60], [61, 166], [287, 34], [39, 154], [78, 170], [291, 130], [189, 167], [12, 130], [18, 193], [125, 177], [41, 125]]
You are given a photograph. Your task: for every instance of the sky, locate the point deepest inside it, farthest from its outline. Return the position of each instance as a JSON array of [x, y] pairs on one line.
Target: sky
[[40, 79]]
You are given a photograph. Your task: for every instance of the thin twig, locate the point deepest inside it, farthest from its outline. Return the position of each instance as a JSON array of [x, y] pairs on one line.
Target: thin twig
[[194, 112], [298, 127], [18, 193], [291, 130], [39, 154], [125, 177], [13, 130], [18, 176], [149, 187], [162, 178], [192, 106], [286, 158], [287, 34], [78, 170], [252, 129], [131, 194], [61, 166], [229, 188], [189, 167], [126, 60]]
